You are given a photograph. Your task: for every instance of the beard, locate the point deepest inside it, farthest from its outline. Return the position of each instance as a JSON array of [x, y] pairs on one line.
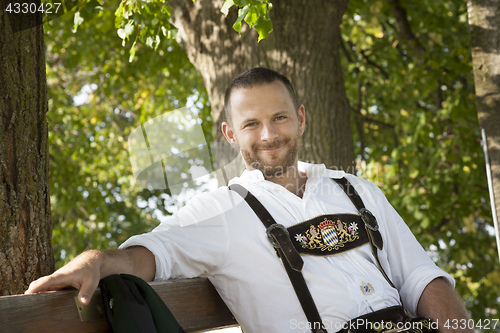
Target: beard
[[273, 166]]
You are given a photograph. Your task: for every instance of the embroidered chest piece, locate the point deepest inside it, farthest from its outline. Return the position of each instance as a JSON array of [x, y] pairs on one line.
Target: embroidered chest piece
[[326, 235]]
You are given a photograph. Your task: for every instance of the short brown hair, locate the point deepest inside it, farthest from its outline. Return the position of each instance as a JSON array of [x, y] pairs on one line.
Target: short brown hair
[[253, 77]]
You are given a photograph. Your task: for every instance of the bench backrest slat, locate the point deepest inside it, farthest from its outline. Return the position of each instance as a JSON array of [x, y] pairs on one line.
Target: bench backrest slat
[[194, 302]]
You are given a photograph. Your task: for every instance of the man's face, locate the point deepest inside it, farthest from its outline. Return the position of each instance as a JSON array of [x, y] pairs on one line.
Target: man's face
[[266, 127]]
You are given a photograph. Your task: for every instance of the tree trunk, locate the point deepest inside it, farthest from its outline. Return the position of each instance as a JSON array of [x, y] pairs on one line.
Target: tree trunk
[[304, 46], [25, 220], [484, 20]]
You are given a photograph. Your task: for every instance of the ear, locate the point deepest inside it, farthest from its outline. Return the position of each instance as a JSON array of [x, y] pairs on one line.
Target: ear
[[228, 132], [302, 118]]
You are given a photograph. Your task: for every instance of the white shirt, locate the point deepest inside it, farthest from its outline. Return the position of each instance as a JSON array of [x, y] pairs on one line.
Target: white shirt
[[217, 235]]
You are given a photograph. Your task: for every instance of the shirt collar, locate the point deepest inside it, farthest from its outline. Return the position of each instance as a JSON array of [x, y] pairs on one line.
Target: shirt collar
[[311, 170]]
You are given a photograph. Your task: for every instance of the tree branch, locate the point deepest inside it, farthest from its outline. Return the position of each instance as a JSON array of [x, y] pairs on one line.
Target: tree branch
[[369, 62], [359, 117], [403, 25], [344, 49]]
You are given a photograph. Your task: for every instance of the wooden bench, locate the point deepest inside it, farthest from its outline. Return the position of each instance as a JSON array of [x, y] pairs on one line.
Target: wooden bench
[[194, 302]]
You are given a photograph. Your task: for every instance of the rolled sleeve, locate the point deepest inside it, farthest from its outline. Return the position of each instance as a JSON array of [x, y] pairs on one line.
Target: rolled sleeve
[[183, 248], [153, 244], [414, 285]]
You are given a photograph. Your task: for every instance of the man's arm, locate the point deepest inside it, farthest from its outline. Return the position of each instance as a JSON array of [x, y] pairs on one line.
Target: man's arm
[[440, 303], [85, 271]]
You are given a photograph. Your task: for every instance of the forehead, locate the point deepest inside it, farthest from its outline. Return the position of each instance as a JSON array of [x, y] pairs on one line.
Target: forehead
[[260, 99]]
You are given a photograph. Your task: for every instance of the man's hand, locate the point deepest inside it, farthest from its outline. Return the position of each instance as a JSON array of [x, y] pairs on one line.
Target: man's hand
[[85, 271]]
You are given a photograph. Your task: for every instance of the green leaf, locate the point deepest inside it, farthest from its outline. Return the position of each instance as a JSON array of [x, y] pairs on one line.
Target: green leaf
[[263, 27], [241, 15], [78, 19], [242, 3], [119, 15], [132, 52], [129, 28], [228, 4], [121, 33], [157, 42], [253, 16]]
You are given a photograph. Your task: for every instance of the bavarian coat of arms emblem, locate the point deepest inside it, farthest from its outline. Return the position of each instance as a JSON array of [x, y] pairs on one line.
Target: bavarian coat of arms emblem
[[328, 232]]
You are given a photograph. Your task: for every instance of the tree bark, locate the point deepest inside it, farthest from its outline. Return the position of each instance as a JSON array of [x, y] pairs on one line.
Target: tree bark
[[304, 46], [25, 219], [484, 20]]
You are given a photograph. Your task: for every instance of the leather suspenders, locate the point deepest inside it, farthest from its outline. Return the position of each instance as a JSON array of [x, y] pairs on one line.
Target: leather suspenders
[[280, 239], [370, 221], [292, 261]]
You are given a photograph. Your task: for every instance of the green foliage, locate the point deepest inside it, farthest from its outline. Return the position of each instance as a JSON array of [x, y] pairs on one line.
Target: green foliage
[[254, 12], [412, 97], [148, 22], [94, 202], [148, 19]]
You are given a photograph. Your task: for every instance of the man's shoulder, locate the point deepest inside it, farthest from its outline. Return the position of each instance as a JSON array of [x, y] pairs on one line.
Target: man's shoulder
[[212, 198], [362, 185], [208, 205]]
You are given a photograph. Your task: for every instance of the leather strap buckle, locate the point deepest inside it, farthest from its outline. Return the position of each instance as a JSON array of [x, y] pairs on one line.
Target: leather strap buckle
[[367, 216], [269, 230]]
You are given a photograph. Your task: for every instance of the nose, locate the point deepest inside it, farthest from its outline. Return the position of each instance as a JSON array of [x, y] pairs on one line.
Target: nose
[[268, 133]]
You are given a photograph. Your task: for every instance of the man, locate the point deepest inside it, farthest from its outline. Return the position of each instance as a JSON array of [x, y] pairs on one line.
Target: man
[[219, 236]]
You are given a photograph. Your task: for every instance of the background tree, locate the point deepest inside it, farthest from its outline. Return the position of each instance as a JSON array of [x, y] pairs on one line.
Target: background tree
[[293, 51], [484, 19], [25, 221]]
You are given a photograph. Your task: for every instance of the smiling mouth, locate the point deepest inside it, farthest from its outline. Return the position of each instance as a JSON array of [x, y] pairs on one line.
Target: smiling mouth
[[271, 149]]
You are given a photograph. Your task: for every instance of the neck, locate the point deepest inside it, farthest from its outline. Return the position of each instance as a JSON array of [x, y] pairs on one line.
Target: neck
[[293, 180]]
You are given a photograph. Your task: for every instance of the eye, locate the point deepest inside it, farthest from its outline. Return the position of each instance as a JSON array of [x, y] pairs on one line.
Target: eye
[[280, 117], [250, 124]]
